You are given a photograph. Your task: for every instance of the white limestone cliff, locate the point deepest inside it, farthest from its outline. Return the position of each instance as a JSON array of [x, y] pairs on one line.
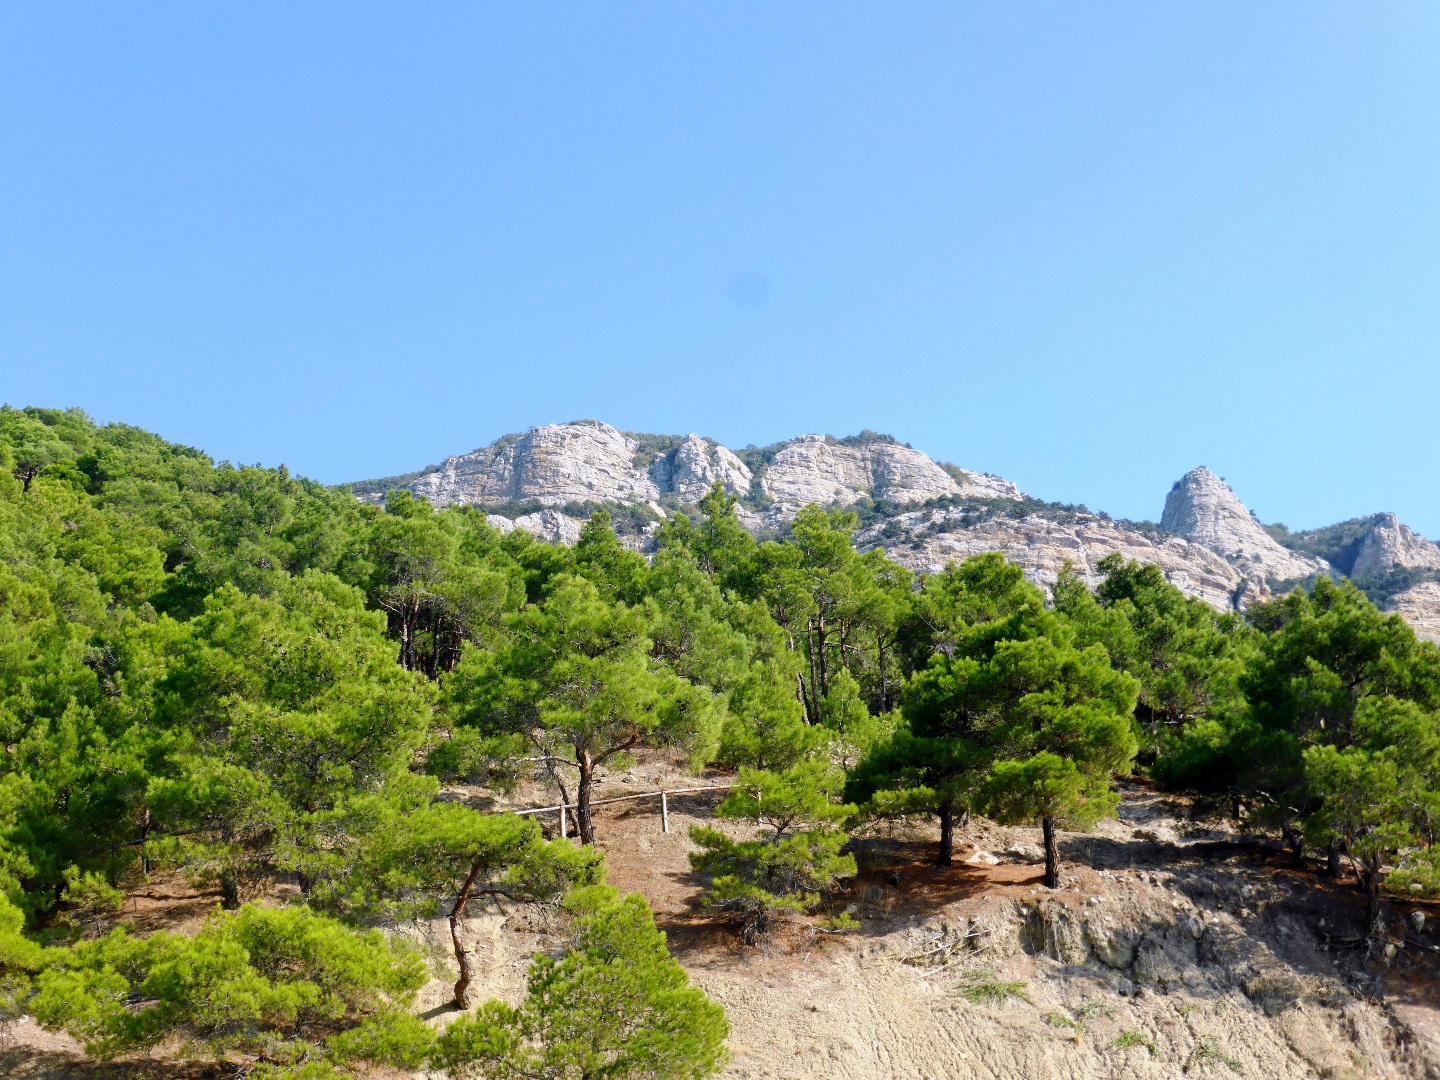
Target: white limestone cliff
[[696, 465], [1390, 545], [1209, 544], [593, 462], [814, 469], [554, 465], [1202, 508], [928, 540]]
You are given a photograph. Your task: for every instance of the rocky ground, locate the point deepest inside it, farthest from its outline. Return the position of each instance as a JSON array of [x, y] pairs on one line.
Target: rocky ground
[[1176, 947]]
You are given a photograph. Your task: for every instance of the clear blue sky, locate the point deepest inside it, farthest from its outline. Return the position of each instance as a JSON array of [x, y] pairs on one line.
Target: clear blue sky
[[1085, 246]]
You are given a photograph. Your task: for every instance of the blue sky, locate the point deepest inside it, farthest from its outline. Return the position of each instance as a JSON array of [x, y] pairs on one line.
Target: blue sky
[[1086, 247]]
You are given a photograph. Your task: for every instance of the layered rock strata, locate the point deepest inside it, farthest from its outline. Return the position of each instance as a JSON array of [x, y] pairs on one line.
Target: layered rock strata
[[813, 469]]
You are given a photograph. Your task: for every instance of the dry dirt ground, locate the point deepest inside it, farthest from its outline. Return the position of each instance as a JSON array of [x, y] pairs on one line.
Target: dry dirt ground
[[1174, 948]]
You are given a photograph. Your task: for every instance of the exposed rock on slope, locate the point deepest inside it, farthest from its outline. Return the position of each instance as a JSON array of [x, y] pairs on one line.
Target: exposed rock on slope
[[1420, 607], [1390, 546], [551, 526], [1201, 507], [554, 465], [1208, 543], [813, 469], [927, 540], [588, 461], [696, 465]]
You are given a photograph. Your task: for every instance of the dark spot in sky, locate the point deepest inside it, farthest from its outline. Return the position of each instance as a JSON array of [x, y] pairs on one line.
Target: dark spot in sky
[[748, 289]]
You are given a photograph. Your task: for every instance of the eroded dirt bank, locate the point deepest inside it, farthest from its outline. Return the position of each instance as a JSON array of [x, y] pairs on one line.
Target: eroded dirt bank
[[1174, 948]]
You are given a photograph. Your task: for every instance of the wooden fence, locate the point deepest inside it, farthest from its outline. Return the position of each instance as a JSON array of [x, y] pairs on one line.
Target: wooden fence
[[664, 794]]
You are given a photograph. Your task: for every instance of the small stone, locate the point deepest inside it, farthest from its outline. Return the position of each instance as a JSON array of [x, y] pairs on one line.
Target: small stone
[[1417, 920]]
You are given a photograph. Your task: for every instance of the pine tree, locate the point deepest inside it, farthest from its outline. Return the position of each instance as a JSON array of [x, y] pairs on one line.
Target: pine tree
[[796, 855], [615, 1004]]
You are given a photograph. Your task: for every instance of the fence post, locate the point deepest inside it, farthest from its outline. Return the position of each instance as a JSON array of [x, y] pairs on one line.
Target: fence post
[[664, 813], [562, 821]]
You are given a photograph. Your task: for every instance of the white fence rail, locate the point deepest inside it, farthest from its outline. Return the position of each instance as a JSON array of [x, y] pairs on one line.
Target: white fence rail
[[664, 794]]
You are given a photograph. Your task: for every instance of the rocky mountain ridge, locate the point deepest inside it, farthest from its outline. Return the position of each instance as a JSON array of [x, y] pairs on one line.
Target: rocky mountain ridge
[[925, 514]]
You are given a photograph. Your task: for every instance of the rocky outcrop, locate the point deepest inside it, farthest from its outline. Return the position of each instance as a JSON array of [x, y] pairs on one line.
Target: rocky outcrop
[[928, 540], [1419, 605], [1201, 507], [814, 469], [589, 461], [551, 526], [554, 465], [1208, 543], [696, 465], [1390, 545]]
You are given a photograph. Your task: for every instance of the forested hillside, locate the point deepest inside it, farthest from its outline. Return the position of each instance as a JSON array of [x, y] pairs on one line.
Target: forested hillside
[[265, 686]]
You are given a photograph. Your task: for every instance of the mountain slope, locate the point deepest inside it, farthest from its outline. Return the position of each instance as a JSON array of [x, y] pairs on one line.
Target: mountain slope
[[923, 513]]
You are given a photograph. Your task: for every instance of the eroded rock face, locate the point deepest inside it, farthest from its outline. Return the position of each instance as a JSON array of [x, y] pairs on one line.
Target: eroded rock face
[[1211, 546], [551, 526], [928, 540], [555, 465], [1390, 545], [1201, 507], [593, 462], [696, 465], [812, 469], [1420, 607]]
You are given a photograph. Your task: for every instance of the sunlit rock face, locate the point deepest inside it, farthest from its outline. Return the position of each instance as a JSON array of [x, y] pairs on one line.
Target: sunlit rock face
[[698, 464], [1390, 546], [927, 540], [813, 469], [1202, 508], [593, 462], [554, 465], [1208, 544]]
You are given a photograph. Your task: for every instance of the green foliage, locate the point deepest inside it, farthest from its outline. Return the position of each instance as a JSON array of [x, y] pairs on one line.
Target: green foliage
[[614, 1004], [272, 982], [577, 679], [20, 958], [1008, 717], [1128, 1040], [796, 855], [253, 678], [1187, 656], [982, 988]]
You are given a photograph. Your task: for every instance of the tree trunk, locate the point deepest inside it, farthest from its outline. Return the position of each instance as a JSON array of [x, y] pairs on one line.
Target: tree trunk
[[583, 821], [1052, 852], [1377, 915], [824, 671], [880, 660], [947, 835], [457, 942], [407, 615], [1333, 865], [229, 889], [1295, 841], [564, 795], [813, 708]]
